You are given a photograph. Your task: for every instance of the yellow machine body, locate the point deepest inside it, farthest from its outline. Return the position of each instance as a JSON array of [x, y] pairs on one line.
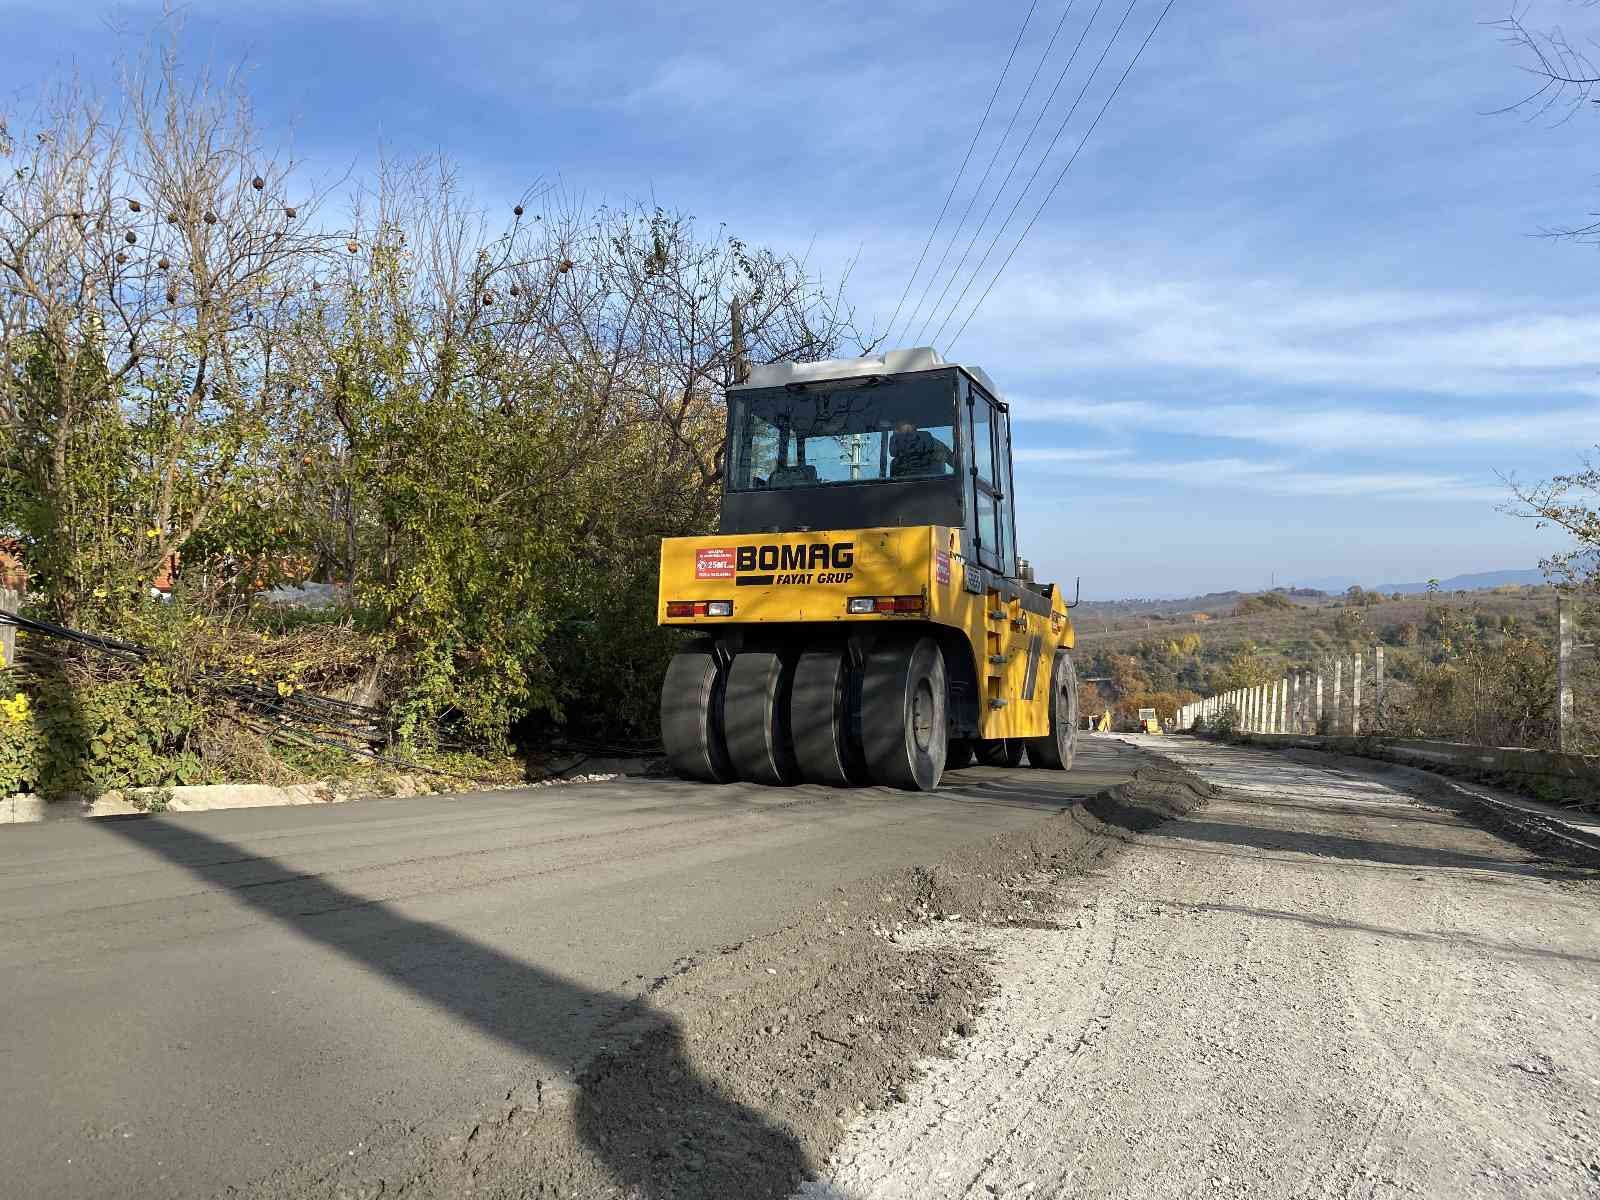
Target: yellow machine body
[[809, 578]]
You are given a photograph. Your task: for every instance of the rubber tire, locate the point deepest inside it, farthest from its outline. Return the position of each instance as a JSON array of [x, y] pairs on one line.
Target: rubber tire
[[755, 716], [1000, 752], [1056, 750], [826, 746], [904, 687], [960, 754], [691, 714]]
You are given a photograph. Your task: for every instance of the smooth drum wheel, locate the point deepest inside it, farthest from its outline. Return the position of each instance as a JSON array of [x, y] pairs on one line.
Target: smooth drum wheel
[[1056, 749], [825, 744], [691, 714], [755, 716], [1000, 752], [903, 702]]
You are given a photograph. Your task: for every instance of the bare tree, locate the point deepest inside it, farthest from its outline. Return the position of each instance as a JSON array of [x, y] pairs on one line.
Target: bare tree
[[152, 253], [1566, 81]]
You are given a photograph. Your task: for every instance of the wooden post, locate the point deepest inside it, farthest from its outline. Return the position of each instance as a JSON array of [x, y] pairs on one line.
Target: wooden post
[[11, 601], [1355, 697], [1564, 649]]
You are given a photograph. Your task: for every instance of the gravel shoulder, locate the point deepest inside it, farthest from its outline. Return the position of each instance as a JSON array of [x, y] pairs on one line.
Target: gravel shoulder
[[1315, 986]]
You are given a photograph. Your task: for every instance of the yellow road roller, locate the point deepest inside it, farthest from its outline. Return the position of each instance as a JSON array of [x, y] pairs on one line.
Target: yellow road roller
[[862, 615]]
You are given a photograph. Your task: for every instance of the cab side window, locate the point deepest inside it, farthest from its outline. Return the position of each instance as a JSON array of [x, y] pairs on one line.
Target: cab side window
[[986, 452]]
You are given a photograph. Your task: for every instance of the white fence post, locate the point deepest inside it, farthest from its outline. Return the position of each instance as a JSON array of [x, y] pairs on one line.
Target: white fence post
[[1355, 697], [1564, 648], [1337, 697], [1317, 724], [1378, 723]]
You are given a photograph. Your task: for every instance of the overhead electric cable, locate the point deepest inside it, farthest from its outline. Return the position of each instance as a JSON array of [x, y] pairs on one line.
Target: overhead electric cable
[[971, 146], [1015, 163], [977, 191], [1126, 71]]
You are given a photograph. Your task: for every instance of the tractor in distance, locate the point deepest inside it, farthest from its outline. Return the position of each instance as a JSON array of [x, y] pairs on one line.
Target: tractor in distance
[[862, 615]]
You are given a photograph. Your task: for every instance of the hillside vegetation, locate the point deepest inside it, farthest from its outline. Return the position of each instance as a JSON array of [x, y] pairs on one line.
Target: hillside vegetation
[[1474, 666]]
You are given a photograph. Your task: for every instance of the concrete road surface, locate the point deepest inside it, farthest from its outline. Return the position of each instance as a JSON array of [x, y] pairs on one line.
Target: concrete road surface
[[196, 1002]]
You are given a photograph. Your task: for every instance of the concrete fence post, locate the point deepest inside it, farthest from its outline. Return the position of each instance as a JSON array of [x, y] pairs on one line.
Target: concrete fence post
[[1355, 697], [1378, 723], [1334, 723], [1283, 706], [1294, 704], [1564, 648], [1316, 725]]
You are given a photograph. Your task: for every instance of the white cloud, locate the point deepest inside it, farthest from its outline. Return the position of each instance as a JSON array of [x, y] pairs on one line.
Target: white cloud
[[1330, 426], [1280, 333], [1063, 454], [1292, 479]]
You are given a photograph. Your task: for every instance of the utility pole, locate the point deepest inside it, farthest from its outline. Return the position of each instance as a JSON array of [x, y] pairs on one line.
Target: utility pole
[[741, 361]]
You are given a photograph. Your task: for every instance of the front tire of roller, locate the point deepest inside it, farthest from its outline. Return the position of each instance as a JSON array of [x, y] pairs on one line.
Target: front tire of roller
[[755, 714], [825, 744], [1000, 752], [1056, 750], [691, 714], [903, 703]]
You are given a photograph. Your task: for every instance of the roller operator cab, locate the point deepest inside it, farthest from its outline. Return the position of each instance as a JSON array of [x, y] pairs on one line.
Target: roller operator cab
[[862, 615]]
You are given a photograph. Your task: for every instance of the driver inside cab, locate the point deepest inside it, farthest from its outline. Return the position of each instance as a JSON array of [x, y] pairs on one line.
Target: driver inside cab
[[917, 453]]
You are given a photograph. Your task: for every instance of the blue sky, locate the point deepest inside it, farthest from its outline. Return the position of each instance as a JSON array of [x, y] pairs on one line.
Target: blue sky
[[1286, 316]]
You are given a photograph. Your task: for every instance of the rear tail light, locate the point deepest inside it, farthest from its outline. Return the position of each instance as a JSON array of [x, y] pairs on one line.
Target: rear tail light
[[699, 608], [860, 605]]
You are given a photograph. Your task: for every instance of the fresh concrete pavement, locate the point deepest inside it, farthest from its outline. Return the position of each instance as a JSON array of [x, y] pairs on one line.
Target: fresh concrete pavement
[[197, 1001]]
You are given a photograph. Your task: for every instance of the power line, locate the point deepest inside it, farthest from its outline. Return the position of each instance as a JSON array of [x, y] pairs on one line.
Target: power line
[[1037, 167], [977, 191], [1126, 71], [1015, 162], [973, 145]]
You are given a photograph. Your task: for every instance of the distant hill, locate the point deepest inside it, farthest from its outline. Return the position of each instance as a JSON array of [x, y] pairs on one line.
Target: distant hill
[[1456, 583]]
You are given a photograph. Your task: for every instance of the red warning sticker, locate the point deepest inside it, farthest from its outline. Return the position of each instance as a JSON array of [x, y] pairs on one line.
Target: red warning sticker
[[715, 563], [941, 565]]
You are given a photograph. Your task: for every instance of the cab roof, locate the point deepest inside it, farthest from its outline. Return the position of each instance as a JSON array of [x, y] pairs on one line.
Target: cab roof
[[891, 362]]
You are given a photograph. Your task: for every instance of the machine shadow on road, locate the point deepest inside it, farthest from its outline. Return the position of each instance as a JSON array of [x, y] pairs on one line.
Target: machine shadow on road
[[646, 1116]]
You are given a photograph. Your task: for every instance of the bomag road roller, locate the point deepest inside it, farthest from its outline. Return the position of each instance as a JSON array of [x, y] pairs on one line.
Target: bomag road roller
[[862, 615]]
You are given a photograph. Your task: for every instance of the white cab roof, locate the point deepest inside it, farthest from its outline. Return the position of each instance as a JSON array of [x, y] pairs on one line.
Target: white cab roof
[[891, 362]]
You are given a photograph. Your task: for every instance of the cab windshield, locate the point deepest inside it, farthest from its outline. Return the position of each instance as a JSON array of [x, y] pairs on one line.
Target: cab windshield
[[849, 431]]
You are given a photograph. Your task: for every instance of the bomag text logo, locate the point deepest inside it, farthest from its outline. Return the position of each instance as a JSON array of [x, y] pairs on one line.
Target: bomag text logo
[[813, 562]]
